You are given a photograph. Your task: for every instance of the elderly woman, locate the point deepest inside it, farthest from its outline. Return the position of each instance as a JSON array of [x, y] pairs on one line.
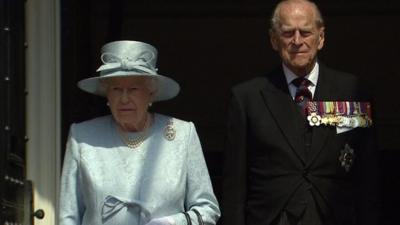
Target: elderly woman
[[134, 167]]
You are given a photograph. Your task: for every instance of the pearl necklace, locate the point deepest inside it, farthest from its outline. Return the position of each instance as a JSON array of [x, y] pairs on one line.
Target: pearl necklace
[[134, 142]]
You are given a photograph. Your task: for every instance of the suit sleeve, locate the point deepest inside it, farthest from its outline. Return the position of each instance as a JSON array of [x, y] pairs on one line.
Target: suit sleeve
[[369, 182], [368, 177], [234, 169], [71, 205]]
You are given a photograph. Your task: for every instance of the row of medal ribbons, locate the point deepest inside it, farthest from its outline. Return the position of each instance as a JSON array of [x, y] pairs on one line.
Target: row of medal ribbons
[[339, 113]]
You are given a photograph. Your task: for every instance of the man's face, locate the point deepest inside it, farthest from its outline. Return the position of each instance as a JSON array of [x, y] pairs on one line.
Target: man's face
[[298, 39]]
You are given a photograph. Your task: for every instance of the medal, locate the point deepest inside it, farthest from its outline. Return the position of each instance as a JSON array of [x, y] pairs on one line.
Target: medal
[[332, 120], [314, 119], [352, 122], [362, 121], [324, 120], [312, 107], [341, 121], [339, 113]]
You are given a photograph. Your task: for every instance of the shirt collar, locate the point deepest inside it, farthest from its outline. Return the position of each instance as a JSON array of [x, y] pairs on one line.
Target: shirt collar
[[312, 76]]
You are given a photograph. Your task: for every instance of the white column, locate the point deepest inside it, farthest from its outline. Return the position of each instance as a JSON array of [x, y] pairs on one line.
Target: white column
[[43, 104]]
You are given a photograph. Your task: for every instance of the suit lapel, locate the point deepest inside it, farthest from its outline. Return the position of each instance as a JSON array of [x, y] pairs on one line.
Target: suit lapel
[[284, 111], [323, 92]]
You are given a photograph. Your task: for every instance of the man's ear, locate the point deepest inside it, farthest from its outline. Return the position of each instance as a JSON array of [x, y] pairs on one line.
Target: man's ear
[[321, 38]]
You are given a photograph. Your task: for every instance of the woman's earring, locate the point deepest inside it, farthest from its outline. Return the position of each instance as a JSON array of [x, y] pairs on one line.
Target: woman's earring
[[150, 104], [108, 104]]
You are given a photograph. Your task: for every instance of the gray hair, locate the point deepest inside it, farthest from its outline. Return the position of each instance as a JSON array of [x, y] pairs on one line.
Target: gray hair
[[150, 83], [275, 18]]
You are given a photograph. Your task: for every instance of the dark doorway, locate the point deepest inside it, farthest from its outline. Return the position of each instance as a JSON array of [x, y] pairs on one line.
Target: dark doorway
[[15, 190]]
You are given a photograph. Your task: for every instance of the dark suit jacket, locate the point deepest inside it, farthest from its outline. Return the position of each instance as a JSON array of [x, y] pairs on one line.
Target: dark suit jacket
[[266, 162]]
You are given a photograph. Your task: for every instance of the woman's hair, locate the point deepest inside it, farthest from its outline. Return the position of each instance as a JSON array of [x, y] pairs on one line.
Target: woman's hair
[[150, 83]]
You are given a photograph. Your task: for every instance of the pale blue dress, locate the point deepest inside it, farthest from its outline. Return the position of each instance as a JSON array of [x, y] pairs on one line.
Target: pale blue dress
[[105, 182]]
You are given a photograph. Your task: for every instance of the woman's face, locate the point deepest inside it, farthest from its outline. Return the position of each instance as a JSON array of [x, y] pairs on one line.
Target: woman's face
[[128, 99]]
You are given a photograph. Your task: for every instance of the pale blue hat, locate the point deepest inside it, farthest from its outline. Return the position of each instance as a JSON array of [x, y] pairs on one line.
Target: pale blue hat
[[130, 58]]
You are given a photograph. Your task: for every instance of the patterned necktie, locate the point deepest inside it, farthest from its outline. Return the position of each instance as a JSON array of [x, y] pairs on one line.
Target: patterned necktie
[[303, 95]]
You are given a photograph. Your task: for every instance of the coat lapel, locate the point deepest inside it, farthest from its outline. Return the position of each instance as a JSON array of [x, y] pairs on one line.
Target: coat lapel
[[285, 112], [323, 92]]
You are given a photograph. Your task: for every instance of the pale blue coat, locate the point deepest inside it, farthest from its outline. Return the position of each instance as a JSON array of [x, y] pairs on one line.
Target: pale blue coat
[[105, 182]]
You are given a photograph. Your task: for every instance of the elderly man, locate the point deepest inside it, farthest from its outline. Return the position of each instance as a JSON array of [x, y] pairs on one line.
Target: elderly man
[[300, 148]]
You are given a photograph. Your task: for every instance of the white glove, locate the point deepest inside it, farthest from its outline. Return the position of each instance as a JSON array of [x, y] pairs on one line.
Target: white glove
[[161, 221]]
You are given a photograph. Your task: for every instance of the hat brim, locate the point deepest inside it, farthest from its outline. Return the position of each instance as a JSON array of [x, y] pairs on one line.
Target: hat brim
[[166, 88]]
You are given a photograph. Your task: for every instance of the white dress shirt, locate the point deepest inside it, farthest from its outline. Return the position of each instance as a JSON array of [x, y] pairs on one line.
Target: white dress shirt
[[312, 77]]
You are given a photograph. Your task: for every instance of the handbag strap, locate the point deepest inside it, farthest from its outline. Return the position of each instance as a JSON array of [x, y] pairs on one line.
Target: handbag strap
[[199, 218], [188, 220]]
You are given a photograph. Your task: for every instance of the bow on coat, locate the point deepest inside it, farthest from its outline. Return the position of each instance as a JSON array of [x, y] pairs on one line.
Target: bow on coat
[[113, 205]]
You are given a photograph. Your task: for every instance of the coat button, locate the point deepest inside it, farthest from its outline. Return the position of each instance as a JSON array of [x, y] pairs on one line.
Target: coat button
[[305, 174]]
